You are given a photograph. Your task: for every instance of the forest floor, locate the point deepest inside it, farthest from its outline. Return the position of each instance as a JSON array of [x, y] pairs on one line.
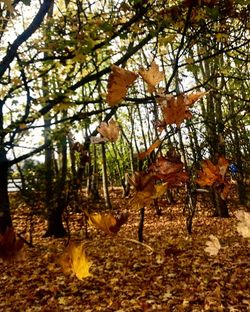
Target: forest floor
[[171, 271]]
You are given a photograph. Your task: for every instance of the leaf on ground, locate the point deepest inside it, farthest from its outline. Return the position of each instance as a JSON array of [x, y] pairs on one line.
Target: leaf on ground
[[10, 246], [74, 260], [149, 150], [107, 222], [110, 130], [213, 245], [243, 226], [152, 76], [119, 81]]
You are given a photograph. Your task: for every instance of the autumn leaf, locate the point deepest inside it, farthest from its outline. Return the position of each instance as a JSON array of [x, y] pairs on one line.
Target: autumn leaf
[[107, 222], [8, 5], [169, 170], [214, 175], [149, 150], [10, 246], [118, 83], [152, 76], [141, 180], [109, 131], [176, 109], [243, 226], [74, 260], [213, 245]]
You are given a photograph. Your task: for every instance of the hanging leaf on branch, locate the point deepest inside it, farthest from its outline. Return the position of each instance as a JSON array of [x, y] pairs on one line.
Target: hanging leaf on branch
[[10, 246], [152, 76], [119, 81], [109, 131], [74, 261], [175, 109], [145, 189], [107, 222], [149, 150], [169, 169], [214, 175]]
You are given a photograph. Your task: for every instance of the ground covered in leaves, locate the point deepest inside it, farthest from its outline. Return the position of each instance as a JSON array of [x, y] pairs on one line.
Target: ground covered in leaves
[[171, 271]]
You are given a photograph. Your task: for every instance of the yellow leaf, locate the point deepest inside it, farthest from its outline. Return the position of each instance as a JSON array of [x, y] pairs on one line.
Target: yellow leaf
[[74, 260], [152, 76]]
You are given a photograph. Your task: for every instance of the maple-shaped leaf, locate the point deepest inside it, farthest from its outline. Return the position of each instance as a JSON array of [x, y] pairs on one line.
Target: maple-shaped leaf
[[213, 245], [107, 222], [10, 246], [74, 260], [118, 83], [110, 130], [169, 169], [149, 150], [243, 226], [214, 175], [152, 76], [175, 109]]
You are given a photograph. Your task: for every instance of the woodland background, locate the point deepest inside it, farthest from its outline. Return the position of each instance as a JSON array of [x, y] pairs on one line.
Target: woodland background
[[125, 126]]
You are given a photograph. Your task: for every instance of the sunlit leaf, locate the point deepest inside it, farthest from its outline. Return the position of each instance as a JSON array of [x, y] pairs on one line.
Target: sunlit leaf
[[109, 131], [243, 226], [74, 260], [107, 222], [118, 83], [213, 245], [152, 76]]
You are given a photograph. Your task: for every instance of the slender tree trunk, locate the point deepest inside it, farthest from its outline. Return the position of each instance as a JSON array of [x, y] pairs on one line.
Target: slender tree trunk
[[5, 216], [105, 178]]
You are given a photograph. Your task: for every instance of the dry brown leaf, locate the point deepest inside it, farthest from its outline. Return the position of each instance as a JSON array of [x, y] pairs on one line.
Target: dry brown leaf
[[118, 83], [10, 246], [110, 130], [149, 150], [152, 76]]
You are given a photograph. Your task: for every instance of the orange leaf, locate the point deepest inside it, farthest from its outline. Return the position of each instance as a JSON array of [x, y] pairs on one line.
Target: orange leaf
[[152, 76], [109, 131], [141, 180], [176, 109], [169, 170], [118, 82], [149, 150]]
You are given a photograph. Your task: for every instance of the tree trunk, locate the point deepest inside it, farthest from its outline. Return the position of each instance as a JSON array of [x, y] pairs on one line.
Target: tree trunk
[[221, 209], [105, 178], [5, 217]]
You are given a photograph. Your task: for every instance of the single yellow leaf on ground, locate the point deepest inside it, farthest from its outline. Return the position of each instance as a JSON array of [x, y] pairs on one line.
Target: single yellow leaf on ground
[[243, 226], [152, 76], [118, 83], [74, 260]]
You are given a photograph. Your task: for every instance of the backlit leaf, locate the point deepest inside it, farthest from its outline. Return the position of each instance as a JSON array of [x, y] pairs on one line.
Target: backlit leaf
[[118, 83], [109, 131], [74, 260], [152, 76]]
